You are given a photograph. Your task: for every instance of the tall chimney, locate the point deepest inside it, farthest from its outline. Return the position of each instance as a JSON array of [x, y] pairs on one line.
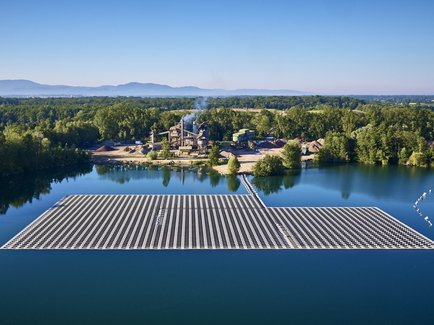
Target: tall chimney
[[195, 129], [182, 131]]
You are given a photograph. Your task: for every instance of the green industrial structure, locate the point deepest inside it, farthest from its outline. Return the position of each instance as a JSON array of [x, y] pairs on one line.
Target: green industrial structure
[[243, 136]]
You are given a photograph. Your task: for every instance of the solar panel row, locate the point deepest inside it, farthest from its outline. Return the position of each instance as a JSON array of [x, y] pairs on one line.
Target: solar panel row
[[209, 222]]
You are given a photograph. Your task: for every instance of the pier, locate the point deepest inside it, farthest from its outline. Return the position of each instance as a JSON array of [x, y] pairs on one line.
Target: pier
[[158, 222]]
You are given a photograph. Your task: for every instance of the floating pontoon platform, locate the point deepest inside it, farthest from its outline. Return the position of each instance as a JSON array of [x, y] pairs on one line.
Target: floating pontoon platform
[[209, 222]]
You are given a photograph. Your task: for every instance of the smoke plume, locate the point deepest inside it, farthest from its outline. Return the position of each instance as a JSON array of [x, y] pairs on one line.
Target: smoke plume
[[200, 104]]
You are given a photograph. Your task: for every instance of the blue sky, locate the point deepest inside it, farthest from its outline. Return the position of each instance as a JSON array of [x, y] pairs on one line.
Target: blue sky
[[327, 47]]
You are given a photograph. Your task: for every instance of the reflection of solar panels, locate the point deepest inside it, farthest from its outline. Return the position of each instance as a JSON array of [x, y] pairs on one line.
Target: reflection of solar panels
[[420, 200], [209, 222]]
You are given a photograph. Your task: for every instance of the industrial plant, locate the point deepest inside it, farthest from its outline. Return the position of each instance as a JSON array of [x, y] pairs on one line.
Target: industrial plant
[[185, 137]]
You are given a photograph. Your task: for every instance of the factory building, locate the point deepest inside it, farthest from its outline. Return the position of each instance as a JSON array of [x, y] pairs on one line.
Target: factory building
[[243, 137], [185, 137]]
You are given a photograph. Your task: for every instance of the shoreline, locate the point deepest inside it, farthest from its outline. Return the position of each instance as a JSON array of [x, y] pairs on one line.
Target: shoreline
[[247, 160], [107, 160]]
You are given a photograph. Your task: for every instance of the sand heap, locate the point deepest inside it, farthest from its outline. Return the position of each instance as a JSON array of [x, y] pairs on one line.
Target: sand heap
[[105, 148]]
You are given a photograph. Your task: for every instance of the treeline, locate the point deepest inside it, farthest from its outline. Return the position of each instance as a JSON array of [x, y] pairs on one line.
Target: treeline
[[24, 151], [31, 111], [314, 124], [50, 131], [383, 136], [293, 123], [17, 190], [372, 134], [377, 145], [286, 102], [414, 100]]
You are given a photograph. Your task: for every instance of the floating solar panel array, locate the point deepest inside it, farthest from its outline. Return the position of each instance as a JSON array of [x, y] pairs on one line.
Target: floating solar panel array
[[209, 222]]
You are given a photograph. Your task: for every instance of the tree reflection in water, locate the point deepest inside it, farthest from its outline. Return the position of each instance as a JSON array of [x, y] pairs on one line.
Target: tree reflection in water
[[124, 173], [214, 178], [166, 176], [273, 184], [19, 189], [233, 183]]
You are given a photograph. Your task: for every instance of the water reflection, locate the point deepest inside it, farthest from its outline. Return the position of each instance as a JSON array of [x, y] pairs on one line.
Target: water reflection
[[166, 176], [126, 173], [233, 183], [389, 182], [214, 178], [310, 185], [274, 184], [20, 189]]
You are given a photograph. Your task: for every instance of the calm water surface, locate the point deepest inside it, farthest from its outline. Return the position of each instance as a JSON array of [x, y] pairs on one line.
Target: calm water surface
[[217, 287]]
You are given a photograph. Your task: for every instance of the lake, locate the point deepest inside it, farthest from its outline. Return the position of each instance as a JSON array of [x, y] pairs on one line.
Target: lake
[[215, 287]]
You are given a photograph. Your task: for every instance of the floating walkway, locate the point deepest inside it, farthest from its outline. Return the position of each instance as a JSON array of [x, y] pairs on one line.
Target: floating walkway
[[251, 190], [209, 222]]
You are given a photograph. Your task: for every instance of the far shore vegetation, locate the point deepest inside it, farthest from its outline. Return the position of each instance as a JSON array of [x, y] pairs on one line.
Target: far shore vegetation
[[42, 133]]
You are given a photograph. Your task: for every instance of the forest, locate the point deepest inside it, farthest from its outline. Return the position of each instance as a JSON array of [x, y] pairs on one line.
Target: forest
[[40, 133]]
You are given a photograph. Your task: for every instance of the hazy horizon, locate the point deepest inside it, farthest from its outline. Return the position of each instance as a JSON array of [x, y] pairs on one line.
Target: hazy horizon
[[301, 92], [330, 47]]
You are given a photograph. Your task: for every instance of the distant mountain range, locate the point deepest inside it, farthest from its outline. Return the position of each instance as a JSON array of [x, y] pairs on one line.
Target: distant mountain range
[[27, 88]]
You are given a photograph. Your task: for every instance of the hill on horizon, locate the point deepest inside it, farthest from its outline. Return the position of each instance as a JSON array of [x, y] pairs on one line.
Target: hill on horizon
[[27, 88]]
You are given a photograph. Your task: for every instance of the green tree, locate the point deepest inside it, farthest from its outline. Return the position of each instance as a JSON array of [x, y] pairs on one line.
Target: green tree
[[152, 155], [214, 155], [26, 151], [291, 155], [418, 159], [263, 122], [337, 148], [295, 123], [124, 121], [233, 165], [367, 144], [349, 121], [403, 156], [267, 166], [165, 149]]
